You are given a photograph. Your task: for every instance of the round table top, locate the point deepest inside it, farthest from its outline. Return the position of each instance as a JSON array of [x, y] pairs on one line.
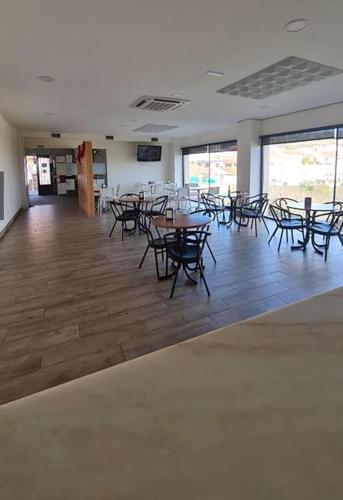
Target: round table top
[[315, 207], [182, 221], [136, 199]]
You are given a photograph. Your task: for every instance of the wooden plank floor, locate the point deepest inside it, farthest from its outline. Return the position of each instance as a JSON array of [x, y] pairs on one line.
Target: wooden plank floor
[[73, 300]]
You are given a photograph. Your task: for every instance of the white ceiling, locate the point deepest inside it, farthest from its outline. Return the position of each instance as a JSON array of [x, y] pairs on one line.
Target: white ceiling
[[104, 54]]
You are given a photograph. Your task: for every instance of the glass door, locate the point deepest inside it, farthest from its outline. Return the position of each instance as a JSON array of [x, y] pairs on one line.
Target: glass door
[[45, 177]]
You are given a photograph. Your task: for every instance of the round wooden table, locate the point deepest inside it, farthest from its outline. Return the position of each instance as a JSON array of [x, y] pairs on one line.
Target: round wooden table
[[182, 222]]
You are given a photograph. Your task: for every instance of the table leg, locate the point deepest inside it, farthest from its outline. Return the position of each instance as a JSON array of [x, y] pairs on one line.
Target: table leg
[[302, 244]]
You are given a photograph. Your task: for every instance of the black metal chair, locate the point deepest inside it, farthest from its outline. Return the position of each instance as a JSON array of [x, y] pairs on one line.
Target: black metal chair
[[328, 225], [156, 242], [286, 221], [283, 204], [123, 214], [157, 207], [214, 204], [211, 214], [185, 250], [252, 209]]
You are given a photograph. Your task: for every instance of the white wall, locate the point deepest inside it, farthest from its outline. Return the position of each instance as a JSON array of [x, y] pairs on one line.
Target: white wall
[[122, 165], [226, 134], [124, 169], [11, 163], [312, 118]]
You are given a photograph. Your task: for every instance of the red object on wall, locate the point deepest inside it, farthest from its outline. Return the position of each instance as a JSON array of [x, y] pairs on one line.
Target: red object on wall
[[81, 151]]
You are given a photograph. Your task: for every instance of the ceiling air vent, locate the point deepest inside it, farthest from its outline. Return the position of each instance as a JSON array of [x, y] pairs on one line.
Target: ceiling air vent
[[109, 137], [149, 103], [154, 128], [56, 135]]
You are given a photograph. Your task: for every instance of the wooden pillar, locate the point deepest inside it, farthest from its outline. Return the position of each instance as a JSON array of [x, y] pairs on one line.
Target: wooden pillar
[[85, 178]]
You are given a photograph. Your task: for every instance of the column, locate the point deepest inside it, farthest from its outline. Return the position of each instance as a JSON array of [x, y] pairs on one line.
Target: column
[[249, 156]]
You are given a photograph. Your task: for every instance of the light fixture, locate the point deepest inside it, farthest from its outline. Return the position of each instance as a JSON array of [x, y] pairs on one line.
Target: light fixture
[[214, 73], [154, 128], [287, 74], [296, 25]]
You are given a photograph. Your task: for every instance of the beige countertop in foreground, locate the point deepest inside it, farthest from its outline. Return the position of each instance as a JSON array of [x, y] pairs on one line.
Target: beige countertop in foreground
[[249, 412]]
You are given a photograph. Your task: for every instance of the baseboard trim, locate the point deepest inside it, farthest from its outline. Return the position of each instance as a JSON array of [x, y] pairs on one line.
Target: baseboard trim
[[10, 222]]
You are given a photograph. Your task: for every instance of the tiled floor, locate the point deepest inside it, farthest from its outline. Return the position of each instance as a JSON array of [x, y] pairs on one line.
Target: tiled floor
[[73, 300]]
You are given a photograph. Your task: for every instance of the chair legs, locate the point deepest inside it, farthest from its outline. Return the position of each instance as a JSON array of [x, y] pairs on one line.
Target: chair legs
[[143, 258], [203, 278], [114, 225], [210, 250], [174, 281], [272, 236], [265, 224], [327, 244], [280, 241]]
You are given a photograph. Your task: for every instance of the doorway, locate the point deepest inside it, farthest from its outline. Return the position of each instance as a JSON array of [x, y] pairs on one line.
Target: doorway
[[31, 175], [46, 184]]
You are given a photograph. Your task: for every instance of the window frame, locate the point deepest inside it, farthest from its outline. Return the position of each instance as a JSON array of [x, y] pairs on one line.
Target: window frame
[[336, 128], [187, 151]]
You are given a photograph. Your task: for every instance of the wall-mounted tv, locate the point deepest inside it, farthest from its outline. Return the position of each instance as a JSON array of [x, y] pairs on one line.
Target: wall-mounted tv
[[149, 153]]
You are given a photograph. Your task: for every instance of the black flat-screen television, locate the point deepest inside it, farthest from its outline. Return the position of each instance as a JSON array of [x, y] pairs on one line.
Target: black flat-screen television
[[149, 153]]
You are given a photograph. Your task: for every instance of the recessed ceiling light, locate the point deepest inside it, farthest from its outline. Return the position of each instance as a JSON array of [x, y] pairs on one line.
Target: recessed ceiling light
[[45, 78], [296, 25], [214, 73]]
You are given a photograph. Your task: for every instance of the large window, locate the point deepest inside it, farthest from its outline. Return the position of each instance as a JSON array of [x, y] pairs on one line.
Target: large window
[[308, 163], [211, 166]]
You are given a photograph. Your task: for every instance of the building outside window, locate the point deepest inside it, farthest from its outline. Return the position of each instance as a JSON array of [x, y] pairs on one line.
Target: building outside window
[[211, 166], [304, 164]]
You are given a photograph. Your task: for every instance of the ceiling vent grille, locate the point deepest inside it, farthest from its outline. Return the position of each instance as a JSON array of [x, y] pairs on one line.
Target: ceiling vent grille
[[154, 128], [284, 75], [149, 103]]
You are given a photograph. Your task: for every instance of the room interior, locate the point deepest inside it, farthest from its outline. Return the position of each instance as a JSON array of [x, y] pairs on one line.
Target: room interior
[[171, 245]]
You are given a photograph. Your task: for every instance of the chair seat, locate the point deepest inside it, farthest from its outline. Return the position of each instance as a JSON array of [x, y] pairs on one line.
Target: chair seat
[[250, 213], [323, 228], [152, 213], [128, 215], [187, 254], [291, 224]]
